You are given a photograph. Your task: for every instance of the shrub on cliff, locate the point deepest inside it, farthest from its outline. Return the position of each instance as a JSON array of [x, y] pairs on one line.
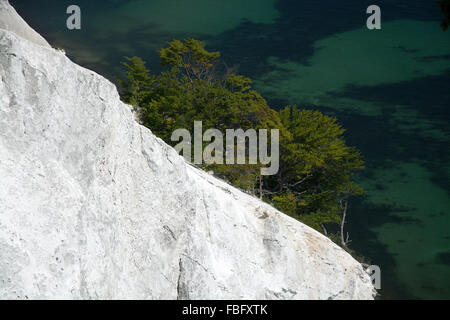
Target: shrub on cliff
[[316, 166]]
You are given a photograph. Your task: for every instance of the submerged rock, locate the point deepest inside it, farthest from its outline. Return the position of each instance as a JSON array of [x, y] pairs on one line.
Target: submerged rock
[[94, 206]]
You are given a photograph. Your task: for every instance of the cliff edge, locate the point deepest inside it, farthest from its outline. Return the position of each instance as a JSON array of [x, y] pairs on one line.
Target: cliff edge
[[94, 206]]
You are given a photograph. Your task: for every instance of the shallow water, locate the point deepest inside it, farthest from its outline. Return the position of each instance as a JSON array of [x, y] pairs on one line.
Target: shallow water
[[389, 88]]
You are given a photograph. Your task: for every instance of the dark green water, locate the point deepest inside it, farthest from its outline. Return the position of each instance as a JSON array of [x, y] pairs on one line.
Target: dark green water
[[389, 88]]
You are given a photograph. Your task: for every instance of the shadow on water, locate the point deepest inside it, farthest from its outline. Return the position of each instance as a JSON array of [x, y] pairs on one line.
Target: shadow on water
[[248, 45], [379, 140], [365, 242], [300, 25], [429, 97]]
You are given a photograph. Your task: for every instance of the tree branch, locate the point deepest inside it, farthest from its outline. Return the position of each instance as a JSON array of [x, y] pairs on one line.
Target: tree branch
[[344, 213]]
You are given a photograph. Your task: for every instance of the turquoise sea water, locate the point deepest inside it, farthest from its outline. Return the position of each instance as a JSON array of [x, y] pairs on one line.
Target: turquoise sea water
[[389, 88]]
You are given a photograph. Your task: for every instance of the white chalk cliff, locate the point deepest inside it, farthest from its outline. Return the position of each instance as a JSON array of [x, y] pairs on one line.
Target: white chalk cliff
[[94, 206], [11, 21]]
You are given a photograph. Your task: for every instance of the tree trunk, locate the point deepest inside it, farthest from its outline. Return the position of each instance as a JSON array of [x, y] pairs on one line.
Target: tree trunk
[[260, 187], [344, 213], [324, 229]]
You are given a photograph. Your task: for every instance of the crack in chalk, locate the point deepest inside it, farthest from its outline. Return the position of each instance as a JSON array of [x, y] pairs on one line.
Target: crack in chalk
[[207, 213], [170, 231], [149, 161], [335, 295], [180, 290], [168, 280], [192, 259]]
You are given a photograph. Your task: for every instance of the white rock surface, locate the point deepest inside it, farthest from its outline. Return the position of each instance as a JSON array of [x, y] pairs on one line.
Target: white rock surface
[[10, 20], [94, 206]]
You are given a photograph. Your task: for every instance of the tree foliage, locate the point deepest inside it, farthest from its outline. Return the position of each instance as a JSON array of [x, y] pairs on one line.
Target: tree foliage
[[316, 168], [316, 165]]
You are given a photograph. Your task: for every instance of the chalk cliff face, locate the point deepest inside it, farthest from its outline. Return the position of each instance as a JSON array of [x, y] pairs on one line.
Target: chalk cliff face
[[94, 206], [10, 20]]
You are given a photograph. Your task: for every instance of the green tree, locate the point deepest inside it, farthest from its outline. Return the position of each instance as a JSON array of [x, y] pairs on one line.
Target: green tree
[[196, 87], [191, 58], [136, 87], [316, 166]]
